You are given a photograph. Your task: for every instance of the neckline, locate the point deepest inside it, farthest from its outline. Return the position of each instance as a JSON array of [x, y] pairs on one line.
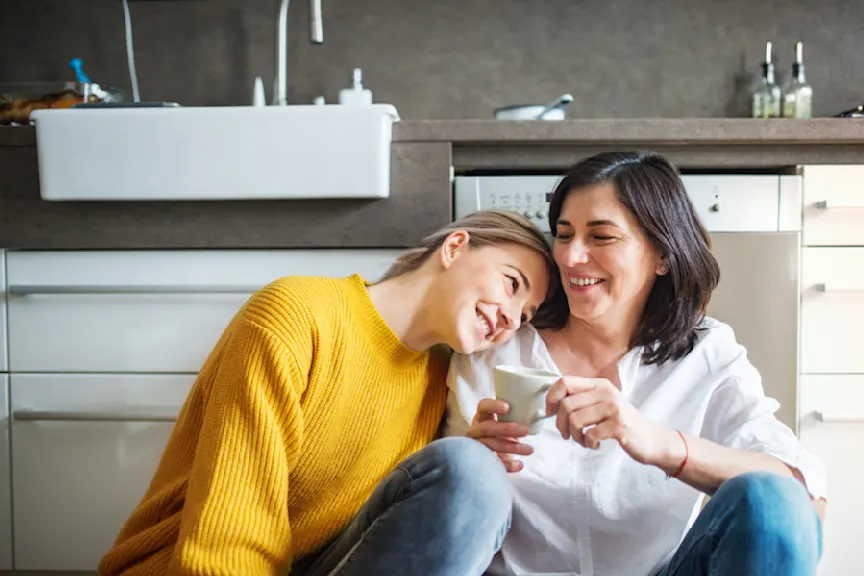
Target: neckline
[[383, 342], [540, 352]]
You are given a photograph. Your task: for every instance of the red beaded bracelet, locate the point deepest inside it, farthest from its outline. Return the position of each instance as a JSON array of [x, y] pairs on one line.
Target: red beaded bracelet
[[686, 456]]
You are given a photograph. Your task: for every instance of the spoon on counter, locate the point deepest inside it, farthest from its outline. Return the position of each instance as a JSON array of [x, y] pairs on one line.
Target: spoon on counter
[[559, 102]]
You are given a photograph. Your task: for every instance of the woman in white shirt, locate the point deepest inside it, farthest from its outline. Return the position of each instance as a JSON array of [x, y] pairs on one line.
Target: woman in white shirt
[[656, 405]]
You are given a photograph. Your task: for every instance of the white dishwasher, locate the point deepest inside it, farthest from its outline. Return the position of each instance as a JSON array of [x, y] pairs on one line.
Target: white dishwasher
[[755, 226]]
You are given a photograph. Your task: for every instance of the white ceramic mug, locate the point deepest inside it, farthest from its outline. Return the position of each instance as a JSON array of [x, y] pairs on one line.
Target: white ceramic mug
[[524, 389]]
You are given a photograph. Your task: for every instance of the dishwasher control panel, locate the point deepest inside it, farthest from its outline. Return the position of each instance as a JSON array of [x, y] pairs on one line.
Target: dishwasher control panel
[[723, 202], [527, 195]]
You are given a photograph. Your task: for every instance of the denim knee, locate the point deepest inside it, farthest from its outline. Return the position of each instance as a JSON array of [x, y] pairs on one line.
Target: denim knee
[[474, 478], [776, 512]]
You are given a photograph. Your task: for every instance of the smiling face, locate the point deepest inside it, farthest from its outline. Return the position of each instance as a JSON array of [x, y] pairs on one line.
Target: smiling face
[[607, 264], [485, 294]]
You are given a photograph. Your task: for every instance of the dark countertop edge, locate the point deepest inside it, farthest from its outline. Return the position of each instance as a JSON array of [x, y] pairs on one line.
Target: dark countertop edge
[[668, 131]]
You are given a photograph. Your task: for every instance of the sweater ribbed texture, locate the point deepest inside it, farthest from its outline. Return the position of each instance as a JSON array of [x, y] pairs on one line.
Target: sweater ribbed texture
[[305, 404]]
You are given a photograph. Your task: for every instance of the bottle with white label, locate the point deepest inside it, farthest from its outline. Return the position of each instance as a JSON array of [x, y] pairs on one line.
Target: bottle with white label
[[356, 95]]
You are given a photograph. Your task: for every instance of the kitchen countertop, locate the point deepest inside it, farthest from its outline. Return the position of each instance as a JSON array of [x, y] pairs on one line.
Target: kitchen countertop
[[645, 131], [660, 130]]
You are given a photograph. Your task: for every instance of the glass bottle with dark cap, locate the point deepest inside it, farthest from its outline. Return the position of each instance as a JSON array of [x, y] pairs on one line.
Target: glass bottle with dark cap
[[798, 94], [767, 95]]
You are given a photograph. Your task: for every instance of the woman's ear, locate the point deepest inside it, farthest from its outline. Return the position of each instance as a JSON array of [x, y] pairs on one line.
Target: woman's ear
[[454, 245], [662, 268]]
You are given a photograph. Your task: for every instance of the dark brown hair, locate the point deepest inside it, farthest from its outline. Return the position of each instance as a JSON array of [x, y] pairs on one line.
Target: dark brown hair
[[650, 187], [485, 228]]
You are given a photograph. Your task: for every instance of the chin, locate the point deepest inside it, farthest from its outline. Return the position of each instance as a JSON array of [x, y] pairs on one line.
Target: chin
[[469, 346], [484, 345], [586, 312]]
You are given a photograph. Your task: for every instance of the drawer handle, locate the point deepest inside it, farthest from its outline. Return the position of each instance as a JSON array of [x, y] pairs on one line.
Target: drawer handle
[[28, 415], [822, 287], [826, 205], [29, 289], [838, 417]]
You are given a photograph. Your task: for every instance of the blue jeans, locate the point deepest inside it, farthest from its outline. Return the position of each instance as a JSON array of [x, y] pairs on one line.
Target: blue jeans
[[443, 511], [756, 524]]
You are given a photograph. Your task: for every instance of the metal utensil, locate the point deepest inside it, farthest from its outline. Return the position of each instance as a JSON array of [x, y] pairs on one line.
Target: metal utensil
[[552, 111], [559, 102]]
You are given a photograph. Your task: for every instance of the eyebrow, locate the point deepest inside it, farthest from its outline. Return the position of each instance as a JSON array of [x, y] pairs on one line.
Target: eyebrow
[[590, 223]]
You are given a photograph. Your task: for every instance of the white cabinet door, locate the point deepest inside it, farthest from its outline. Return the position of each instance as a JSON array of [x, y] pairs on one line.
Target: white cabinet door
[[832, 426], [145, 333], [84, 449], [832, 310], [834, 205], [151, 312], [5, 479], [4, 366]]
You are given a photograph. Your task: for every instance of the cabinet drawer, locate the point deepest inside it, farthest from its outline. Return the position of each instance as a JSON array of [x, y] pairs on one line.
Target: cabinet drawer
[[834, 436], [84, 449], [152, 312], [832, 310], [834, 205], [732, 203], [4, 364]]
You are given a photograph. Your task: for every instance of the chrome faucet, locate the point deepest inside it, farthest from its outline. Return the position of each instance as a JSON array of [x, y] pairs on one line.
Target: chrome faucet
[[316, 36]]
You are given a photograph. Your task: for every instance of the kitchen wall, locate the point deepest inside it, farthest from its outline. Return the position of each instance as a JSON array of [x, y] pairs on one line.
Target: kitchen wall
[[453, 58]]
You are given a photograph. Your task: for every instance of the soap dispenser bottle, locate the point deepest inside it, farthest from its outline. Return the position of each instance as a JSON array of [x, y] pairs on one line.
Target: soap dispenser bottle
[[767, 95], [356, 94]]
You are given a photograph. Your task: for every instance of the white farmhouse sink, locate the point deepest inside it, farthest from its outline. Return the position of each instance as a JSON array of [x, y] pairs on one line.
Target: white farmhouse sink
[[215, 153]]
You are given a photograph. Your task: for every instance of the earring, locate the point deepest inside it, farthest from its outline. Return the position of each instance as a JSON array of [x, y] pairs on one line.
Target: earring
[[663, 268]]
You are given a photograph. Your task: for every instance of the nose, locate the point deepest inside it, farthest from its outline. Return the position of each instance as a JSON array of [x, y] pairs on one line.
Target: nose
[[577, 253], [509, 316]]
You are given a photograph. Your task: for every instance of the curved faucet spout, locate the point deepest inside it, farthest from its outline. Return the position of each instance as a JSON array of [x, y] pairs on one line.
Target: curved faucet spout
[[316, 36], [316, 22]]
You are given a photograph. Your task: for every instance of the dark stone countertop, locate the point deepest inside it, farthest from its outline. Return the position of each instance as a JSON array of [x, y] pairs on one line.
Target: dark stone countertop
[[628, 131], [617, 131]]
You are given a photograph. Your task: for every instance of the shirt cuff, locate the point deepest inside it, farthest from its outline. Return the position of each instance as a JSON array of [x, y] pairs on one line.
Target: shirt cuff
[[811, 469]]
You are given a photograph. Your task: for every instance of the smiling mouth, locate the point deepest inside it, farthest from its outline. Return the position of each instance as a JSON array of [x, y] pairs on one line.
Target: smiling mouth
[[485, 325], [585, 281]]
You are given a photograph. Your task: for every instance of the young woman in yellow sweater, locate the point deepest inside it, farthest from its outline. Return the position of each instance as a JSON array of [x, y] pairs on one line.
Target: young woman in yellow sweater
[[308, 442]]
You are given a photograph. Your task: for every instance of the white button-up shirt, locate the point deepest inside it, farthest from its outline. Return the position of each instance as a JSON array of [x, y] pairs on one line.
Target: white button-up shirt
[[599, 512]]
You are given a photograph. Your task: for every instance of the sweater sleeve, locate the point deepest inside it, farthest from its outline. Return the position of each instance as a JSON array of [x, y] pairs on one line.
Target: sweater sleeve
[[235, 517]]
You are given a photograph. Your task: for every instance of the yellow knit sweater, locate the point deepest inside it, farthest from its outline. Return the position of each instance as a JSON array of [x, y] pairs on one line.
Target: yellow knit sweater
[[305, 404]]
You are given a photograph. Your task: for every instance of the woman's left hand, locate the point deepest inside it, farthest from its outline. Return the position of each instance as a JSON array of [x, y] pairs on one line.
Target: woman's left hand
[[583, 402]]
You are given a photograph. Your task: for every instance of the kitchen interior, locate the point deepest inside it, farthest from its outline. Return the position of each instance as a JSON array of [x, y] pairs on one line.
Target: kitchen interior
[[160, 160]]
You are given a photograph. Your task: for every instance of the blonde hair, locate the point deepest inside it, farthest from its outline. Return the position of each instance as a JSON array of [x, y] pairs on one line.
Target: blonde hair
[[484, 228]]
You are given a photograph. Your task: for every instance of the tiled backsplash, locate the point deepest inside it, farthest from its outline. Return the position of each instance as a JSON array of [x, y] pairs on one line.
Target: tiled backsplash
[[452, 58]]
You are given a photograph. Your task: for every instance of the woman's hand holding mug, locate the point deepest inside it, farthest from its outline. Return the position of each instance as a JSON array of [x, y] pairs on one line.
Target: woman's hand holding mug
[[500, 437], [518, 411], [582, 402], [576, 404]]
